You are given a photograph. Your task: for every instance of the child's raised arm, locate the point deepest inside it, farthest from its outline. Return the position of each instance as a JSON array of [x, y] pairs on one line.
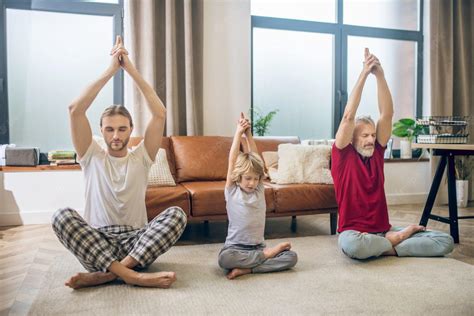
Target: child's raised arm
[[242, 126], [250, 141]]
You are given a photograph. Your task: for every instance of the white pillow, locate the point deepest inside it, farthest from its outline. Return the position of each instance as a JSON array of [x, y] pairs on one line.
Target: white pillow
[[160, 173], [270, 159], [304, 164]]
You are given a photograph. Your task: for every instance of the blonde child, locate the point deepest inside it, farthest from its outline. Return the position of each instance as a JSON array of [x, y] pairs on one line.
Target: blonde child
[[244, 251]]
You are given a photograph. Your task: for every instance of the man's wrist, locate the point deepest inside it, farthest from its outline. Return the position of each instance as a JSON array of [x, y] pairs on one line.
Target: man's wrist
[[111, 70], [363, 77], [380, 75]]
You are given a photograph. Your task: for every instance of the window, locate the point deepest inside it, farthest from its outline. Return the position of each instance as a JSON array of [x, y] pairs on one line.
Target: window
[[307, 55], [53, 49]]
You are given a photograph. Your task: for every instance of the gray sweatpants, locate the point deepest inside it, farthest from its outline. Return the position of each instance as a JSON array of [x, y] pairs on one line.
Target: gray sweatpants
[[428, 243], [252, 257]]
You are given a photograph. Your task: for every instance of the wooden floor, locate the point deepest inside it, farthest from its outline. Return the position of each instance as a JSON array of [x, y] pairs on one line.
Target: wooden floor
[[26, 252]]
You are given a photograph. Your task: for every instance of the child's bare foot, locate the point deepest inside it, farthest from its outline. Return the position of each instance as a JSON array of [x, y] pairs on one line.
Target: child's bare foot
[[237, 272], [81, 280], [397, 237], [273, 251], [158, 279]]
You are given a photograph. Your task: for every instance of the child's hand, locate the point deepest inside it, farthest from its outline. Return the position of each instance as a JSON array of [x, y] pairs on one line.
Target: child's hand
[[243, 124]]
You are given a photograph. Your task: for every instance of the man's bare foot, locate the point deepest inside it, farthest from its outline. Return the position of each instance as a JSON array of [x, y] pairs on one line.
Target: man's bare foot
[[81, 280], [158, 279], [237, 272], [273, 251], [397, 237]]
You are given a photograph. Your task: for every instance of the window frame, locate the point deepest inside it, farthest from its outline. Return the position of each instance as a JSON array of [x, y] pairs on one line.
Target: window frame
[[341, 33], [113, 10]]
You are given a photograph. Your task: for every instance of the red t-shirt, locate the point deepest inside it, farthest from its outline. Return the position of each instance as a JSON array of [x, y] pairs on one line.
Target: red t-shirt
[[359, 187]]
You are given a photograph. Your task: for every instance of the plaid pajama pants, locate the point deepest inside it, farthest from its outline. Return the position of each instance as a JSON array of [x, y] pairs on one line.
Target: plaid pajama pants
[[97, 248]]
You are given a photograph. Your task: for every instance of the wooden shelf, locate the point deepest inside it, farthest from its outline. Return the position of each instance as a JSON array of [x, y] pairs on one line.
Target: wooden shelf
[[405, 160], [39, 168], [444, 146]]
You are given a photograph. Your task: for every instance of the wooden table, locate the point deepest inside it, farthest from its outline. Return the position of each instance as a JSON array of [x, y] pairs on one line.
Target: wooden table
[[447, 152]]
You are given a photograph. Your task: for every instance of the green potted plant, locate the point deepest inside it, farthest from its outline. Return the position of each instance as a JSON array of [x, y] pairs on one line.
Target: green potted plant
[[261, 122], [407, 130], [463, 167]]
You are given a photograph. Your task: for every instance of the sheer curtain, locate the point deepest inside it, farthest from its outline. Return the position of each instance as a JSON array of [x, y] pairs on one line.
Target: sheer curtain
[[164, 38], [451, 53]]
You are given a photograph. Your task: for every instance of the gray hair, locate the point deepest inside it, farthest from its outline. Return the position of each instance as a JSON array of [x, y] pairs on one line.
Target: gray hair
[[364, 119]]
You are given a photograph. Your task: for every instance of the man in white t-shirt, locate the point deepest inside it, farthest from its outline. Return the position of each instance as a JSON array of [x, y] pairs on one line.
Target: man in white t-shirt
[[114, 239]]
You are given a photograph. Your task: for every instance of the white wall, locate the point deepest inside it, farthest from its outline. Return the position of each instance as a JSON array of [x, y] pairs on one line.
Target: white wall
[[32, 197], [407, 182], [226, 65]]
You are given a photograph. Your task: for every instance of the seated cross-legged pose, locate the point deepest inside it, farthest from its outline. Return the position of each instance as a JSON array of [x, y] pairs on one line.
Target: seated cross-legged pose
[[114, 239], [357, 170], [244, 251]]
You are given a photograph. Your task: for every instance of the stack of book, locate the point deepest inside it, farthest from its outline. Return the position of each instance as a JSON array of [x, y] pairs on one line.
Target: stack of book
[[61, 157]]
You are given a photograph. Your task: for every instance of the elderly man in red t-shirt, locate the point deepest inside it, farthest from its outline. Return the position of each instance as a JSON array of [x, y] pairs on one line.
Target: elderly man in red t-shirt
[[357, 169]]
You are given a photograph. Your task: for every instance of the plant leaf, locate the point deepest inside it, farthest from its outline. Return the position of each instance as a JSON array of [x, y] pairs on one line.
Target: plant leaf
[[407, 121]]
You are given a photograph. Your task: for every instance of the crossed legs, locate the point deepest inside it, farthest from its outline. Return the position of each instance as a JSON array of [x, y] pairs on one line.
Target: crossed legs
[[413, 240], [113, 251]]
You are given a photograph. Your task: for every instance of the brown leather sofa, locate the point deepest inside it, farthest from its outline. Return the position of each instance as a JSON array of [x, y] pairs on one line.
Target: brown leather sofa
[[199, 167]]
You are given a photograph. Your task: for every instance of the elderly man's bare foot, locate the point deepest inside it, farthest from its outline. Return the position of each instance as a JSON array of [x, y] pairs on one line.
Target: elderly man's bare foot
[[273, 251], [158, 279], [81, 280], [237, 272], [397, 237]]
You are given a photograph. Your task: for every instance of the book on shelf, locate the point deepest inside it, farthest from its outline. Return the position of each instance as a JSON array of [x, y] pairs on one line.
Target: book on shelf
[[59, 162], [61, 155]]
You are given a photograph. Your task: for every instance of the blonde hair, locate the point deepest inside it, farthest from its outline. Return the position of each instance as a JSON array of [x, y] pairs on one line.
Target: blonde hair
[[116, 110], [247, 162]]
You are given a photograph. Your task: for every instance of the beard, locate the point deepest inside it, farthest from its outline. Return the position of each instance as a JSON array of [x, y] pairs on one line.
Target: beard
[[365, 152], [118, 146]]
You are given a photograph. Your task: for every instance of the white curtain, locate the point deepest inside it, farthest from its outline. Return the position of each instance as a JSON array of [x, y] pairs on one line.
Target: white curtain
[[164, 38]]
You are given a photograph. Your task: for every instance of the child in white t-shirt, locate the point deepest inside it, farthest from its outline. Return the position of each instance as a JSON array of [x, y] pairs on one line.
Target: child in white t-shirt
[[244, 251]]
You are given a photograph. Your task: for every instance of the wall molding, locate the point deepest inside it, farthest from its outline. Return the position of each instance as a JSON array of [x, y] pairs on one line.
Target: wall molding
[[28, 218]]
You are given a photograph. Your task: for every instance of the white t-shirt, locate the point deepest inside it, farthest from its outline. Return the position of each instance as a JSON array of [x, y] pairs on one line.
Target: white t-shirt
[[115, 187], [246, 213]]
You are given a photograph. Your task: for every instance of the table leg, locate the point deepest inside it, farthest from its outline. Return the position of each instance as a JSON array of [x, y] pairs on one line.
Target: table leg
[[433, 191], [453, 207]]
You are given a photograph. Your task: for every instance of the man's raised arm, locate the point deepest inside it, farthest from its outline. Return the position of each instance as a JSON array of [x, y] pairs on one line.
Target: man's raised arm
[[385, 103], [80, 128], [156, 125], [346, 127]]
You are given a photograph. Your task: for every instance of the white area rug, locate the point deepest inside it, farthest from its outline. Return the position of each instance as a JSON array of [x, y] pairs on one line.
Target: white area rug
[[323, 282]]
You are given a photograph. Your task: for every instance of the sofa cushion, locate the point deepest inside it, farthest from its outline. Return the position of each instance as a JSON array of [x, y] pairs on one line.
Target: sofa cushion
[[165, 144], [201, 158], [301, 197], [207, 197], [160, 173], [159, 199], [270, 158], [304, 164]]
